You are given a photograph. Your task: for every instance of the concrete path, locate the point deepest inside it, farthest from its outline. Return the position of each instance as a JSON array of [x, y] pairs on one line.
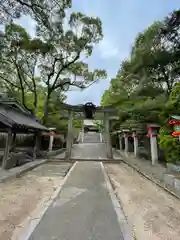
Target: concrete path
[[82, 211], [91, 137], [89, 152]]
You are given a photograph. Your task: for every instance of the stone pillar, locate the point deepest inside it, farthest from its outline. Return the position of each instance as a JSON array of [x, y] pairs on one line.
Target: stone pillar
[[69, 135], [126, 140], [135, 143], [82, 136], [79, 137], [154, 150], [101, 139], [7, 148], [152, 133], [107, 136], [51, 140]]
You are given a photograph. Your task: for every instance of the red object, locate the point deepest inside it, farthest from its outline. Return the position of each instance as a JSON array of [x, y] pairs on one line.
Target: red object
[[176, 134], [174, 122], [150, 131]]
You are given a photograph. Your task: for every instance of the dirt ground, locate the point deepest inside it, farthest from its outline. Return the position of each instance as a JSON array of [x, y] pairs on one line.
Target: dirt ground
[[19, 197], [152, 212]]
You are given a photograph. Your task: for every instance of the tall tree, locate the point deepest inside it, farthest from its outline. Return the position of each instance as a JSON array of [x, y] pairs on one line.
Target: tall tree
[[58, 60], [46, 13], [63, 67], [19, 62]]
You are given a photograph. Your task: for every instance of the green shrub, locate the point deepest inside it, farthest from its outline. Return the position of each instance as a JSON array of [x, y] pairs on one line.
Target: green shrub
[[170, 145]]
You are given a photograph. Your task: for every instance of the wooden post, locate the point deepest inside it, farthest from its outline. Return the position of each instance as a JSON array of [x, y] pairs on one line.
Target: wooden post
[[36, 142], [13, 142], [7, 148]]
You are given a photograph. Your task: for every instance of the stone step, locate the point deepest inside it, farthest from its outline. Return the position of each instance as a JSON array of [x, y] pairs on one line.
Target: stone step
[[60, 160]]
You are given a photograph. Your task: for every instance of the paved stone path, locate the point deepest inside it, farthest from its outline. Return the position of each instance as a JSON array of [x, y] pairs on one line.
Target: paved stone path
[[91, 137], [82, 211], [89, 151]]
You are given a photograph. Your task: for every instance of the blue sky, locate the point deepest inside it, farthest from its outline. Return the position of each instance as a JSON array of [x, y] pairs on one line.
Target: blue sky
[[122, 20]]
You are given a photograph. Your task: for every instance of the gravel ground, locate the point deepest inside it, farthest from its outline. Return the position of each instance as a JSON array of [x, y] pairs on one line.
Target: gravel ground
[[20, 197], [153, 213], [154, 171]]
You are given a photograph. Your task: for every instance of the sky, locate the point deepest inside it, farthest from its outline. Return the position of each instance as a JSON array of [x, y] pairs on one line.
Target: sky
[[122, 20]]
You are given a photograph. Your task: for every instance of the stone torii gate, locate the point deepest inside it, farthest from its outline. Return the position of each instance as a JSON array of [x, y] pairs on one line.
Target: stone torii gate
[[88, 111]]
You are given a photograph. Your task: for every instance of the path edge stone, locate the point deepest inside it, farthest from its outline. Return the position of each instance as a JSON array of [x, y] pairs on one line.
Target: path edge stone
[[18, 171], [125, 229], [31, 222]]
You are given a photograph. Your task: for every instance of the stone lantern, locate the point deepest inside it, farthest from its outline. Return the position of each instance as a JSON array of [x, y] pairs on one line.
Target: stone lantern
[[152, 134]]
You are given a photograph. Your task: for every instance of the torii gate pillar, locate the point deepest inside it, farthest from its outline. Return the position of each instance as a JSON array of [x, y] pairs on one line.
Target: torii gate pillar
[[69, 140], [107, 136]]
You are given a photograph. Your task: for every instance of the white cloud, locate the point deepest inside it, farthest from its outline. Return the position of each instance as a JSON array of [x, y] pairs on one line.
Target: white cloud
[[108, 49], [28, 23]]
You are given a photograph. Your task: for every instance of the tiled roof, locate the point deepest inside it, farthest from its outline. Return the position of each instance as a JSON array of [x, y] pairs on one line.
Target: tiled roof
[[15, 118]]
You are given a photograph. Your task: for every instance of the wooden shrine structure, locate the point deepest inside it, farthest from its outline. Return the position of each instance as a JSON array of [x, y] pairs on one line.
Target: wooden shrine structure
[[13, 120]]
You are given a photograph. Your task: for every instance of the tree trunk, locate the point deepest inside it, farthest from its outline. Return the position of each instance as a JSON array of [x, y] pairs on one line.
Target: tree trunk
[[46, 104]]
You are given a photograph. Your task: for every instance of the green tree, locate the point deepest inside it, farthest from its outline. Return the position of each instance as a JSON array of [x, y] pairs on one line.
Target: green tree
[[19, 61], [57, 58], [146, 88], [62, 67], [45, 13]]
